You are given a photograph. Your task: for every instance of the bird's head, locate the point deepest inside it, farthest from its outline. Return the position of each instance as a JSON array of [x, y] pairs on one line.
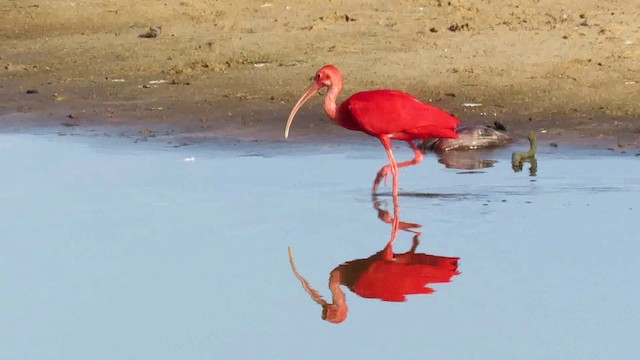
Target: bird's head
[[334, 313], [328, 76]]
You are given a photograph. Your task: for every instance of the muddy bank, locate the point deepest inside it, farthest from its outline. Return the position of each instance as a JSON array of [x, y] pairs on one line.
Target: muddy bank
[[227, 68]]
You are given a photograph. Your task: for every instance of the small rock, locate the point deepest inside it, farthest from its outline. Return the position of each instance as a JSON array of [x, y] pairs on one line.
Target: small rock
[[33, 91], [433, 30], [154, 32], [553, 145]]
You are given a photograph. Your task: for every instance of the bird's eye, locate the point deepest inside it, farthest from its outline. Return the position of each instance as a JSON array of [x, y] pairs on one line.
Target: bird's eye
[[317, 76]]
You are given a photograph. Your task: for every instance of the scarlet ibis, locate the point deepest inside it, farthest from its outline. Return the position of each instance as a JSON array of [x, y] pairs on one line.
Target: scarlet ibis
[[384, 114]]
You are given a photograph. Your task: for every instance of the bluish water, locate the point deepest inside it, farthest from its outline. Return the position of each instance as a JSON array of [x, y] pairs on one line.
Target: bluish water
[[112, 250]]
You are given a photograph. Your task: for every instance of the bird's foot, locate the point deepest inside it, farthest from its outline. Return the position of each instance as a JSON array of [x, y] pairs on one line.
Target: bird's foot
[[382, 175]]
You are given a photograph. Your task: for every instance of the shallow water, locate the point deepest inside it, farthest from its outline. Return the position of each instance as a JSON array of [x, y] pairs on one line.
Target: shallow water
[[111, 250]]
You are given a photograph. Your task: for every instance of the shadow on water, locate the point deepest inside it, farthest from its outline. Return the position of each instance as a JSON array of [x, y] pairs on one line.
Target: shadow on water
[[452, 196], [385, 275]]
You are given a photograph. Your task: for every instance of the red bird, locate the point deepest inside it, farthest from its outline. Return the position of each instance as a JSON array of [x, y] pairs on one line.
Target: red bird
[[384, 114]]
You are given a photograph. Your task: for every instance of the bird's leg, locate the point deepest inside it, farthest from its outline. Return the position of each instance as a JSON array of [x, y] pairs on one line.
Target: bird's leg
[[416, 242], [417, 158], [387, 253], [384, 172], [385, 216]]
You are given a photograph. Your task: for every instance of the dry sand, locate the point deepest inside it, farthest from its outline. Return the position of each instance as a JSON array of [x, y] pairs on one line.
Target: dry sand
[[568, 69]]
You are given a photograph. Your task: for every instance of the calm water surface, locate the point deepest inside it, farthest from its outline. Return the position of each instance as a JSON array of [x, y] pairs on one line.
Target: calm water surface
[[112, 250]]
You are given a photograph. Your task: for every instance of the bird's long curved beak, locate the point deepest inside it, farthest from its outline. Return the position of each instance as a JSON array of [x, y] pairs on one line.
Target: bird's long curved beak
[[314, 88]]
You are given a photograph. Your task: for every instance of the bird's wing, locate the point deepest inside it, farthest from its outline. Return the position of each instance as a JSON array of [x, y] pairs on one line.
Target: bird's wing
[[389, 112]]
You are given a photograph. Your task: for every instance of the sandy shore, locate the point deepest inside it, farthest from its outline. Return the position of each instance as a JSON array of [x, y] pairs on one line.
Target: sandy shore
[[566, 69]]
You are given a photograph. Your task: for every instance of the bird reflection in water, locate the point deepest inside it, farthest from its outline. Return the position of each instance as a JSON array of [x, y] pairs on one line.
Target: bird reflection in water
[[385, 275]]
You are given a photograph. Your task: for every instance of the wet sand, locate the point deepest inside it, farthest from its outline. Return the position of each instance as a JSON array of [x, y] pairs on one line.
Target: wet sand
[[566, 70]]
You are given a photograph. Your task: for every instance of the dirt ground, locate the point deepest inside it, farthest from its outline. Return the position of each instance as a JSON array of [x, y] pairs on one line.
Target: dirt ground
[[567, 69]]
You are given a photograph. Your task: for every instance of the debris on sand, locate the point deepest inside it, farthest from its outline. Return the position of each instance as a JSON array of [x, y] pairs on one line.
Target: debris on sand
[[154, 32], [498, 125], [69, 124], [146, 132], [457, 27]]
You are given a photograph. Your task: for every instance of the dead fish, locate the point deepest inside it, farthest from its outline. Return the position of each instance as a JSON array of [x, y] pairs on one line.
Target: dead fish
[[470, 137]]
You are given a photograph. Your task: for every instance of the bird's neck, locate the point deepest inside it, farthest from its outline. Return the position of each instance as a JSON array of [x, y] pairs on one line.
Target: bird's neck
[[337, 295], [330, 101]]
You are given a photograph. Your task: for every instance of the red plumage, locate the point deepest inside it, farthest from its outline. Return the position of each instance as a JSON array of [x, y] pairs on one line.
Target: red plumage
[[397, 114], [403, 274]]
